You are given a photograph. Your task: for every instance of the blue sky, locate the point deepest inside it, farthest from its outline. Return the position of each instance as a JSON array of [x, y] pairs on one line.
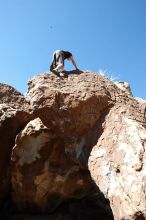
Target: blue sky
[[102, 34]]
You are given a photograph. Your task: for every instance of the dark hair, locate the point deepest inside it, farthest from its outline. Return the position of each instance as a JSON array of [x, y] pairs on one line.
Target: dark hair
[[67, 54]]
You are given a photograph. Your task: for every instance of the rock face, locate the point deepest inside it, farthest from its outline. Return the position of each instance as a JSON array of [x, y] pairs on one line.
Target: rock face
[[42, 174], [119, 170], [14, 115], [48, 154], [69, 105], [125, 87], [118, 161], [85, 137]]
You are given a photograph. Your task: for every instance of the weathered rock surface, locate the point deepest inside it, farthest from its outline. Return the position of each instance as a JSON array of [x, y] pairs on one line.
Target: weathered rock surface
[[74, 108], [14, 115], [42, 173], [118, 161], [49, 157], [85, 126], [125, 87], [70, 105]]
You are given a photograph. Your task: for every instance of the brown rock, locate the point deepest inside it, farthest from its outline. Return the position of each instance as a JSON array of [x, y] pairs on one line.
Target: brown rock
[[124, 86], [69, 108], [14, 114], [85, 123], [42, 174], [118, 161], [71, 105], [90, 110], [9, 95]]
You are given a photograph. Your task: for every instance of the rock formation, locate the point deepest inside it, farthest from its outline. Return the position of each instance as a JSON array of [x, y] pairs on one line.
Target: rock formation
[[14, 115], [125, 87], [42, 173], [120, 165], [80, 137]]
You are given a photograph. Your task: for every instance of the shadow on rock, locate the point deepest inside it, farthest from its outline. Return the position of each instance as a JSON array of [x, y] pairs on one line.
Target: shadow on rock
[[94, 206], [91, 139], [73, 72]]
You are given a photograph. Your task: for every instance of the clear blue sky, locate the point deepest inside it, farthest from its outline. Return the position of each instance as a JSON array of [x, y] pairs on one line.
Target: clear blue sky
[[102, 34]]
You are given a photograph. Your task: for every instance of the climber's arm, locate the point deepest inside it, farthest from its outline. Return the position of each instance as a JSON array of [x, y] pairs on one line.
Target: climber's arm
[[73, 61]]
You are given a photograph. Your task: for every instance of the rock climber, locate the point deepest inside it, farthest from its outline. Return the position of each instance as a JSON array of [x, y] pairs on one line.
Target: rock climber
[[58, 59]]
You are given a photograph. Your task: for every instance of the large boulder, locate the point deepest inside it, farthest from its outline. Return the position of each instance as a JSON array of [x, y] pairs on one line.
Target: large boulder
[[88, 138], [14, 115], [91, 113], [117, 162], [70, 105], [49, 160], [43, 175]]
